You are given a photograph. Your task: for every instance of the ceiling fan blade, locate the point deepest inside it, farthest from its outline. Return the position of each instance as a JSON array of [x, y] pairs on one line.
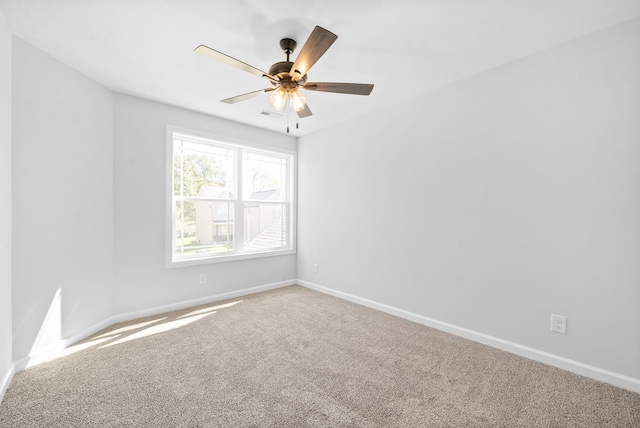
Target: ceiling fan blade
[[305, 112], [316, 45], [246, 96], [212, 53], [340, 88]]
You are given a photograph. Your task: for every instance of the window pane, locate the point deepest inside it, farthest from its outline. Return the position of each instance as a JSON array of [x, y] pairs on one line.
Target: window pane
[[203, 227], [264, 226], [202, 170], [227, 201], [264, 177]]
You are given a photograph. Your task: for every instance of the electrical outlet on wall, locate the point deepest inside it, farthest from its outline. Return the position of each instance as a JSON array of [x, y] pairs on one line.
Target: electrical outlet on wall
[[559, 324], [203, 278]]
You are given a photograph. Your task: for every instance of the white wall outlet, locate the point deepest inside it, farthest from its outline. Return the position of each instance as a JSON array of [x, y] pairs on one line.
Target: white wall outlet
[[203, 278], [315, 268], [558, 324]]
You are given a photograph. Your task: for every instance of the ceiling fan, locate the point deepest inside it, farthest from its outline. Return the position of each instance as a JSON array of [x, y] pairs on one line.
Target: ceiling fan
[[288, 77]]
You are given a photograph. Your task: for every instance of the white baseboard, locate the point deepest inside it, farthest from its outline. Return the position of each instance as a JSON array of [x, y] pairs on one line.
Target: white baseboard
[[200, 301], [573, 366], [49, 352], [6, 380]]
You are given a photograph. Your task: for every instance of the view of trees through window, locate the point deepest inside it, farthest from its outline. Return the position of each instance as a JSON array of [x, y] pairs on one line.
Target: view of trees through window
[[222, 193]]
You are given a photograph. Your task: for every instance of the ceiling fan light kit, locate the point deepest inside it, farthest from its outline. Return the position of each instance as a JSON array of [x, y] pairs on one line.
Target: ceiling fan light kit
[[278, 99], [288, 77], [297, 100]]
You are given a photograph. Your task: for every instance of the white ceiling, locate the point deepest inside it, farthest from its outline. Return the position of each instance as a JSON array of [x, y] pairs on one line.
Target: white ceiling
[[404, 47]]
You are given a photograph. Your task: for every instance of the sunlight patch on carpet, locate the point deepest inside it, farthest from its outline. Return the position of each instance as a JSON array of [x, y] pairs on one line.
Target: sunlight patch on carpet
[[210, 309], [130, 327], [158, 328]]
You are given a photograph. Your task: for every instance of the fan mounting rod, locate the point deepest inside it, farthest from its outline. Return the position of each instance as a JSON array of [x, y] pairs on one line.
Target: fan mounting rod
[[288, 46]]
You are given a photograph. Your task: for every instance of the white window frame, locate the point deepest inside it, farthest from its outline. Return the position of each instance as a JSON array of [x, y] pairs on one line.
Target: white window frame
[[238, 253]]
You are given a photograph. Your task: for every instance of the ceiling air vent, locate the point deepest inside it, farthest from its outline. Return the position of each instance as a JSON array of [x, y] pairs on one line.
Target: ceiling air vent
[[271, 114]]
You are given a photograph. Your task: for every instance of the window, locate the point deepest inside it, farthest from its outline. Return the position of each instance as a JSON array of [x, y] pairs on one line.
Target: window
[[226, 200]]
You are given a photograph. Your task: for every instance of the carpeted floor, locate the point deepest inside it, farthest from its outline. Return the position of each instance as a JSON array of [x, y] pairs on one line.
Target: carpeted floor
[[293, 357]]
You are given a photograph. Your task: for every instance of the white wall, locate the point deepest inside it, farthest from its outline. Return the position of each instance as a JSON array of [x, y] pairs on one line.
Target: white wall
[[6, 361], [494, 202], [63, 199], [142, 281], [88, 186]]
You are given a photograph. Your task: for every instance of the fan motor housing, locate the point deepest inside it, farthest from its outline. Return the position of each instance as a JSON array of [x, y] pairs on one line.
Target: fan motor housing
[[281, 70]]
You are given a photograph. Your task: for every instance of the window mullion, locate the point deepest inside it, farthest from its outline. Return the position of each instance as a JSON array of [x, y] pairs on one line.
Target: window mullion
[[238, 234], [181, 194]]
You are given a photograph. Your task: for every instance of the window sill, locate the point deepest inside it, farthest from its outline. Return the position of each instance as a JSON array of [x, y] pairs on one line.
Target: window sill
[[170, 264]]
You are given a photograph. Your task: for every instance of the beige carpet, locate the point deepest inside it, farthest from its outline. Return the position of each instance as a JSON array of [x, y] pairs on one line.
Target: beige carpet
[[293, 357]]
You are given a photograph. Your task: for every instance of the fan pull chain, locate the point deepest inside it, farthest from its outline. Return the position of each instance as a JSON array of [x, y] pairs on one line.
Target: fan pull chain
[[288, 112]]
